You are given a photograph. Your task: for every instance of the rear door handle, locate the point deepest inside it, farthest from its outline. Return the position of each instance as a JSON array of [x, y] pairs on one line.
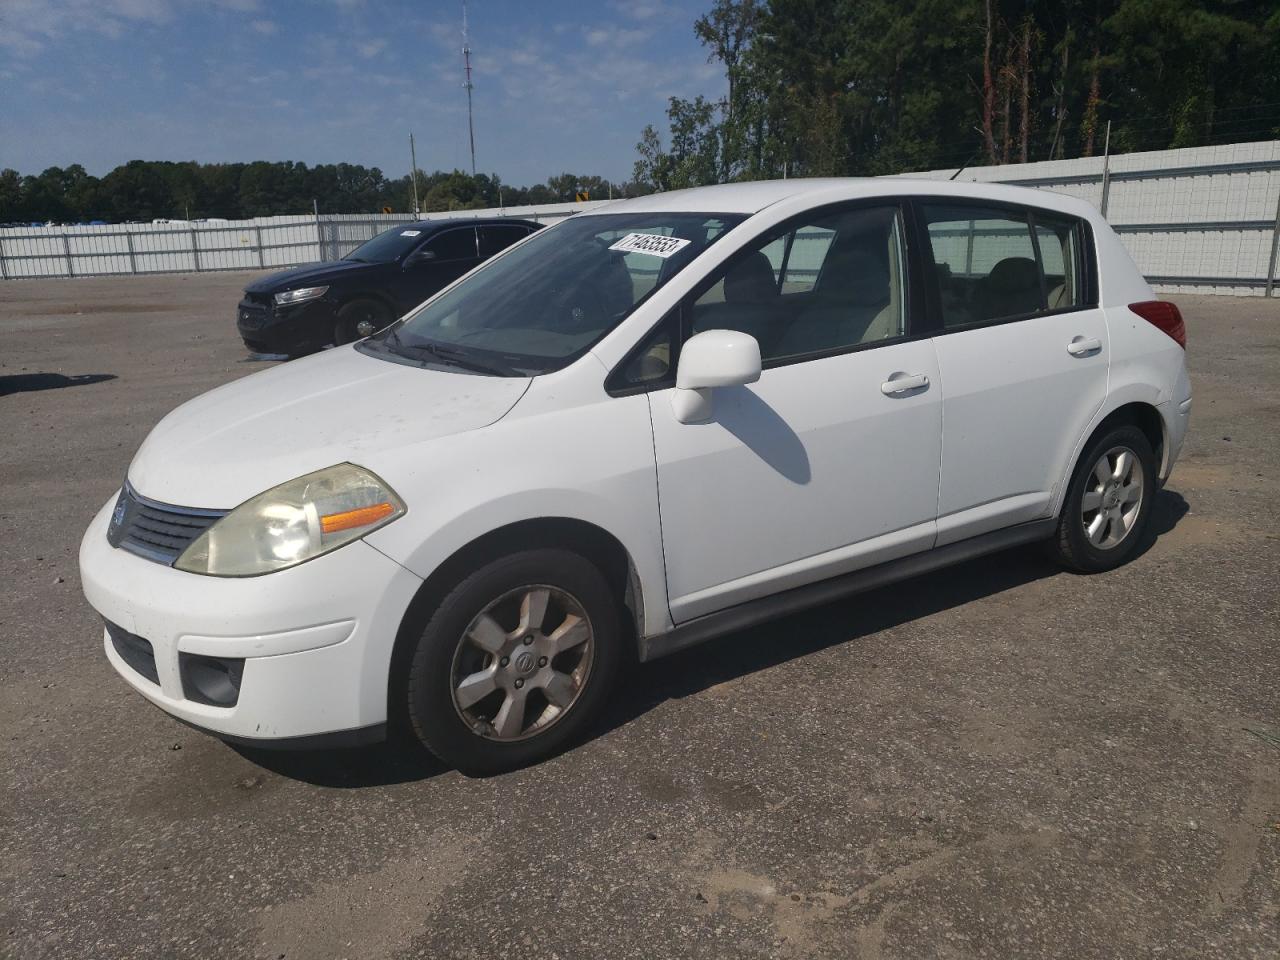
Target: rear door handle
[[903, 383], [1079, 346]]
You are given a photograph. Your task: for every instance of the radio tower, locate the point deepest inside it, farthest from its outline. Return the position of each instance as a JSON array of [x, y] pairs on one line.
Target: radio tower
[[466, 64]]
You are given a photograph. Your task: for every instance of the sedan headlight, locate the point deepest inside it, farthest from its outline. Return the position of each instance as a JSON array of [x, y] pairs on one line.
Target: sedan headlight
[[294, 522], [301, 295]]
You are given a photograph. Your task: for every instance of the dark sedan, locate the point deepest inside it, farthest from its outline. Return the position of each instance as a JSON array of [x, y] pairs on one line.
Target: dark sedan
[[312, 306]]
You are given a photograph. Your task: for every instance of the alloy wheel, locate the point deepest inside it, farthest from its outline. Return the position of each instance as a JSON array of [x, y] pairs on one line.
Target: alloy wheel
[[522, 663], [1112, 500]]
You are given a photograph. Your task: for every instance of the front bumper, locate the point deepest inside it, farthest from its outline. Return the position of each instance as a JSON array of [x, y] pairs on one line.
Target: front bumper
[[267, 328], [316, 638]]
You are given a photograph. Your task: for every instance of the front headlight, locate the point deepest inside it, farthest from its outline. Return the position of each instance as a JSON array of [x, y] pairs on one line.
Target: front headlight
[[296, 521], [300, 295]]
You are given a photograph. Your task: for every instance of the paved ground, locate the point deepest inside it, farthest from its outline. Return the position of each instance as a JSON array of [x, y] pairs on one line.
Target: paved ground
[[996, 761]]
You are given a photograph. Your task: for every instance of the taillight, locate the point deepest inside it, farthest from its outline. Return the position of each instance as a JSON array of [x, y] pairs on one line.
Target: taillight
[[1166, 316]]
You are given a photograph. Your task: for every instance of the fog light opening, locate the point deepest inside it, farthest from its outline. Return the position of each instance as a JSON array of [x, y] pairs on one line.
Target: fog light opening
[[214, 681]]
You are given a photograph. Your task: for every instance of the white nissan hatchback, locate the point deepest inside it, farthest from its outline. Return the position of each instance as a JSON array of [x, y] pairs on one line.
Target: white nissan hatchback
[[645, 426]]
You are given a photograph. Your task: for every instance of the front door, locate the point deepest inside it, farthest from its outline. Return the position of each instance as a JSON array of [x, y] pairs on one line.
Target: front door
[[455, 252], [830, 461]]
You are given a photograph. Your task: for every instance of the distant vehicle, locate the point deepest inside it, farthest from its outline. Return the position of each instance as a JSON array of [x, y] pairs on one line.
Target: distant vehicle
[[309, 307], [648, 425]]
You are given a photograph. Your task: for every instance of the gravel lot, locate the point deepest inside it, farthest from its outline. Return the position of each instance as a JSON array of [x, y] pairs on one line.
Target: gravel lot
[[999, 760]]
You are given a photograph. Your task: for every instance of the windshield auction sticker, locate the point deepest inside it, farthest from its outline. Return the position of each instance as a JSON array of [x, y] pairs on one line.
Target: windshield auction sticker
[[653, 244]]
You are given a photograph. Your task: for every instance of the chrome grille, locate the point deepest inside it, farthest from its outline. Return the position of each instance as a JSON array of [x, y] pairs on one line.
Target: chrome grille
[[156, 531]]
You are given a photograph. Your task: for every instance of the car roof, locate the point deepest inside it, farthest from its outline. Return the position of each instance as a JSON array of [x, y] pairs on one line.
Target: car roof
[[754, 196], [446, 222]]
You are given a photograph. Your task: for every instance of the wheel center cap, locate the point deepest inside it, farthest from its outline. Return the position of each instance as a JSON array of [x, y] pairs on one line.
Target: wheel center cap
[[1112, 498], [525, 662]]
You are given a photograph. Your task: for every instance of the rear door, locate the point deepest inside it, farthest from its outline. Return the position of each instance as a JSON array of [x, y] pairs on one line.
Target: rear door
[[1022, 351], [496, 237]]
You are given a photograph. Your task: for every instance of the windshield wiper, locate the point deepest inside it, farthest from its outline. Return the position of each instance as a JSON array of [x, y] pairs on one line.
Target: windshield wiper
[[455, 358]]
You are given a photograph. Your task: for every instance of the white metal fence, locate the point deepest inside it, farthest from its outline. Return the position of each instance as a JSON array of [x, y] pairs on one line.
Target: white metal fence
[[1198, 220], [184, 247], [1203, 219]]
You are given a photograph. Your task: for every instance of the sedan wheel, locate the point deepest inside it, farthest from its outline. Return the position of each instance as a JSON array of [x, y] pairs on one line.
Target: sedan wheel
[[359, 319]]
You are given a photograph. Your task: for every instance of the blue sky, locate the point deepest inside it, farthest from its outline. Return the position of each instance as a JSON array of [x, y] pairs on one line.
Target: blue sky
[[559, 85]]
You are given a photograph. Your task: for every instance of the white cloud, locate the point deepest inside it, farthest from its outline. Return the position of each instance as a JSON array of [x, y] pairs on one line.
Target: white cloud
[[645, 9], [370, 48], [28, 26], [616, 37], [264, 27]]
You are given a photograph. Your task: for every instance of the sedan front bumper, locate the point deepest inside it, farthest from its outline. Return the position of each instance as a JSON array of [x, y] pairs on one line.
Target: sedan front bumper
[[267, 328]]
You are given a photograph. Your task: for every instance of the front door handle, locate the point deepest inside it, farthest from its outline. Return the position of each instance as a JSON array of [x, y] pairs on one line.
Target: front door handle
[[1079, 346], [899, 383]]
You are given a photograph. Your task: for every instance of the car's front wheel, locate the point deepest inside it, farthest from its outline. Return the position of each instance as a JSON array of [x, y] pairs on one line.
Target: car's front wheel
[[1108, 503], [515, 662], [359, 319]]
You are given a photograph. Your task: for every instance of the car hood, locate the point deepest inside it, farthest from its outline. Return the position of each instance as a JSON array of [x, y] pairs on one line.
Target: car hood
[[306, 274], [236, 441]]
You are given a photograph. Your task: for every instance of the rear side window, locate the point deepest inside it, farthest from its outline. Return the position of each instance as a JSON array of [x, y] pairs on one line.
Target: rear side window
[[495, 239], [456, 244], [1059, 244], [993, 264]]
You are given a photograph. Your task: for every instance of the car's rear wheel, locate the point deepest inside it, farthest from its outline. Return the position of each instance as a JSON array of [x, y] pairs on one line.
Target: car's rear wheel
[[515, 662], [359, 319], [1108, 503]]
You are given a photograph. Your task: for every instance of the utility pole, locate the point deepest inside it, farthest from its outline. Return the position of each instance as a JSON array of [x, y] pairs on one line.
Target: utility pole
[[413, 174], [1106, 170], [466, 64]]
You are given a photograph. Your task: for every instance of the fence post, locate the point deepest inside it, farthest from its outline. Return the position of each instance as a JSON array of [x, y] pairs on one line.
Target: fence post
[[133, 263], [1106, 170], [257, 231], [1275, 241], [315, 210], [66, 251], [195, 249]]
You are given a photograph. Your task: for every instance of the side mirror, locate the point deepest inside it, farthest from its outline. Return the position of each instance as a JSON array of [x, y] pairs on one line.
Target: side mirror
[[714, 358], [419, 256]]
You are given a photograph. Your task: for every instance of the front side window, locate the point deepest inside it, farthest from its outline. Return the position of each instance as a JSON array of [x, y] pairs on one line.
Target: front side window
[[543, 304], [991, 264], [831, 283]]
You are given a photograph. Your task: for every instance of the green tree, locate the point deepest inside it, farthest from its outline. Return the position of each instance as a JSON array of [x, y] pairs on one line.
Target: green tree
[[881, 86]]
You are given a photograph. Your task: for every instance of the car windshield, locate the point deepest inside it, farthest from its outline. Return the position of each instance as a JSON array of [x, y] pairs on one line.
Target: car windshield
[[547, 301], [387, 246]]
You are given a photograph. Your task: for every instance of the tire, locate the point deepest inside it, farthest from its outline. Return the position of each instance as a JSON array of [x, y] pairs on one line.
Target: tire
[[359, 319], [487, 630], [1108, 535]]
